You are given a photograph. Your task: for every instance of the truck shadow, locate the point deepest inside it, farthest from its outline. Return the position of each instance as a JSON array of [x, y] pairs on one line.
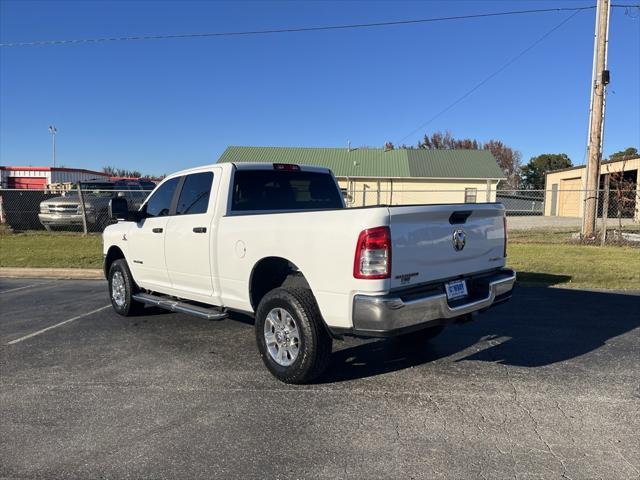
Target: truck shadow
[[539, 326], [541, 279]]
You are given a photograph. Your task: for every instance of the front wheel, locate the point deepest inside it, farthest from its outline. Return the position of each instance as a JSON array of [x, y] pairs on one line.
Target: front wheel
[[121, 289], [292, 340]]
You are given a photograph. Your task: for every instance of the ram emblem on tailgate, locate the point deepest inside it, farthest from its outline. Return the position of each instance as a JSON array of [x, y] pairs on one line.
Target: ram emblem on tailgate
[[459, 240]]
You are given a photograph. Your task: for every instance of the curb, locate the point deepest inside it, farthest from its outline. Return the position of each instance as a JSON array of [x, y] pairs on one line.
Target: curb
[[53, 273]]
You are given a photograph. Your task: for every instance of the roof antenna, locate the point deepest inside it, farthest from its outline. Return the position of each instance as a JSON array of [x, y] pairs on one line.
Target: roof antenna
[[348, 145]]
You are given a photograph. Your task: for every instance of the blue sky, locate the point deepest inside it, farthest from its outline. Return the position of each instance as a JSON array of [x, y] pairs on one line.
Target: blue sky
[[162, 105]]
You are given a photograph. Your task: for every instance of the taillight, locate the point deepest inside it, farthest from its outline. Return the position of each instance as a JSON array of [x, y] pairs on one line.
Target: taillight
[[373, 254], [506, 236]]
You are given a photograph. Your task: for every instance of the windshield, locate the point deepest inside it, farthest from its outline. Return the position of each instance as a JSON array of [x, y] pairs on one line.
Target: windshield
[[94, 186], [92, 189], [284, 190], [134, 185]]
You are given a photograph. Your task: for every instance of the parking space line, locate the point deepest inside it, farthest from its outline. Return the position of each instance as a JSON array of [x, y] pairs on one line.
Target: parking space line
[[78, 317], [23, 287]]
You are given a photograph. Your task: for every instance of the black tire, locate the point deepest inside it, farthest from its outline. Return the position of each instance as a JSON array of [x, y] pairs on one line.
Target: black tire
[[130, 307], [315, 342], [420, 336]]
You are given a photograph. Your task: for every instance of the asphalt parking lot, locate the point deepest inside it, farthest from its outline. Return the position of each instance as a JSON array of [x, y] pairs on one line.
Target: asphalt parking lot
[[546, 386]]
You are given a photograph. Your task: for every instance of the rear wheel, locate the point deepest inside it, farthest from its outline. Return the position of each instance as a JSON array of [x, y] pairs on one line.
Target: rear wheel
[[292, 340], [121, 289]]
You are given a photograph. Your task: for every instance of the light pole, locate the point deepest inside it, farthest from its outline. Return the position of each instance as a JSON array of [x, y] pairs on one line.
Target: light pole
[[53, 130]]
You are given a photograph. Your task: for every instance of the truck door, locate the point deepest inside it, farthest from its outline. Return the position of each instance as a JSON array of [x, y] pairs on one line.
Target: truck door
[[146, 239], [188, 242]]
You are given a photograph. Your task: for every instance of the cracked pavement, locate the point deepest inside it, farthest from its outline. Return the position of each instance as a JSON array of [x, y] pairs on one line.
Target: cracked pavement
[[545, 386]]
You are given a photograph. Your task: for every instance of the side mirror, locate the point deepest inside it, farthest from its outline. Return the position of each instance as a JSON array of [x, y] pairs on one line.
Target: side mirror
[[118, 209], [138, 215]]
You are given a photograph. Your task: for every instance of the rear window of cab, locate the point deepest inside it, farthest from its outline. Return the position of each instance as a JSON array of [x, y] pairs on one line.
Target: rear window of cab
[[261, 190]]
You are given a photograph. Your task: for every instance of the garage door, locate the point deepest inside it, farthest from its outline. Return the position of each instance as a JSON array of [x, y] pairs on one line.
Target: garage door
[[570, 194], [31, 183]]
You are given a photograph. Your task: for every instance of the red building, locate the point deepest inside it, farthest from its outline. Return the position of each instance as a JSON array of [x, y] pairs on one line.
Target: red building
[[36, 178]]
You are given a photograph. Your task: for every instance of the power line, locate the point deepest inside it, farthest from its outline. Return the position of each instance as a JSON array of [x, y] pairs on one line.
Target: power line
[[295, 30], [491, 76]]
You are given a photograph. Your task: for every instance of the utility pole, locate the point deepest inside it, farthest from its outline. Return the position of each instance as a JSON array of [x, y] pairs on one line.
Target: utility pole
[[596, 119], [53, 130]]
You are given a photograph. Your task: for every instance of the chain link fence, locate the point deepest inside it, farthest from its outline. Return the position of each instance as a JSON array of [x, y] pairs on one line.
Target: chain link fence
[[548, 216], [77, 210], [533, 215]]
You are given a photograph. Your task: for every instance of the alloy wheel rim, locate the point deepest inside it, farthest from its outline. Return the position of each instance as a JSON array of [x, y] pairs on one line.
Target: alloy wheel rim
[[282, 336], [118, 289]]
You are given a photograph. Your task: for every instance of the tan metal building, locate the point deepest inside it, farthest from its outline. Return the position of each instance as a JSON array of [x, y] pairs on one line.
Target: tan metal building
[[565, 189], [371, 176]]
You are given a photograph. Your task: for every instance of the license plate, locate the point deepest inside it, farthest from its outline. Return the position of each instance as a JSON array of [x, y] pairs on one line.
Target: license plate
[[456, 289]]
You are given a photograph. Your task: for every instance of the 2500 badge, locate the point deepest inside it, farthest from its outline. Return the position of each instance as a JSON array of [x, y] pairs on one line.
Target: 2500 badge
[[406, 277]]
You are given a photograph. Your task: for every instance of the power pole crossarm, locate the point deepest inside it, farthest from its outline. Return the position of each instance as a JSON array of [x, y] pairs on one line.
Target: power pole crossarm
[[596, 121]]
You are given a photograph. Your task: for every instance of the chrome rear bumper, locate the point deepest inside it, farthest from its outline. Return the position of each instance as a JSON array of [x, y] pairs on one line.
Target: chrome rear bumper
[[396, 313]]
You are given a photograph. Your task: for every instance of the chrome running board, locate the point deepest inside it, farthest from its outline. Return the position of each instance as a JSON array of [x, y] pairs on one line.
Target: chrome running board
[[174, 305]]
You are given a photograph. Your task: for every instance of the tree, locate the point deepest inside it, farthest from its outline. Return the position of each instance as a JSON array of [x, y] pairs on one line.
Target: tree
[[624, 194], [630, 152], [109, 170], [121, 172], [532, 174], [445, 141], [508, 158]]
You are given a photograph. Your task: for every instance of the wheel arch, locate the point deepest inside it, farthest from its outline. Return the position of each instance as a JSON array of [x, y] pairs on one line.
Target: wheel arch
[[273, 272], [114, 253]]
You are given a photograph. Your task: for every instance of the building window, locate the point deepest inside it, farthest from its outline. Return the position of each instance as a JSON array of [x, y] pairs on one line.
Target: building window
[[346, 195], [470, 195]]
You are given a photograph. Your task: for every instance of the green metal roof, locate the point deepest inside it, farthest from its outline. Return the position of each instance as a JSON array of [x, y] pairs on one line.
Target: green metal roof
[[375, 162]]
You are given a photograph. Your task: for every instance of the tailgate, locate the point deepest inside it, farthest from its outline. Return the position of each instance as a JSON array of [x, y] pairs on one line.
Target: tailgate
[[423, 241]]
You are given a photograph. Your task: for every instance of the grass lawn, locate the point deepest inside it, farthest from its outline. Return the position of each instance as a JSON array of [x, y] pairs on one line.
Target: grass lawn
[[536, 261], [578, 266], [42, 249]]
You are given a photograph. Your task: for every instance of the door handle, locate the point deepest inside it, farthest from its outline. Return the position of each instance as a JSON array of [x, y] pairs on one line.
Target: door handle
[[156, 230], [200, 229]]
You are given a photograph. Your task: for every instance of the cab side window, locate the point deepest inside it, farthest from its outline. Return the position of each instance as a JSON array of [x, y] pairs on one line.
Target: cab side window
[[194, 196], [159, 204]]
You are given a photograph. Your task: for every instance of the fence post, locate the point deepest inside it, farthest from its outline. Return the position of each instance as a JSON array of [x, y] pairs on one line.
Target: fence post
[[1, 210], [82, 207], [605, 210]]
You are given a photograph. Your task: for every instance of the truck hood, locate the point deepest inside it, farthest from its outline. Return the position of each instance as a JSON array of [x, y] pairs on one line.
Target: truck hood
[[75, 200]]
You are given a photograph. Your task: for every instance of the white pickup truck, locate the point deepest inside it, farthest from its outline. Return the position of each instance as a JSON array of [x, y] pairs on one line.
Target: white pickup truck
[[276, 241]]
